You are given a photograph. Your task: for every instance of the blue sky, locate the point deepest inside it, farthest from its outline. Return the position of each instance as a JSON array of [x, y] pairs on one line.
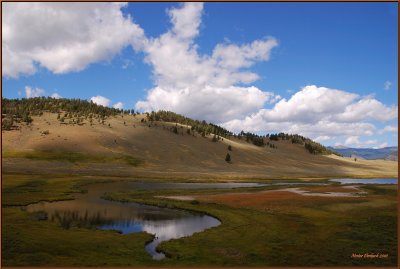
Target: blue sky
[[325, 70]]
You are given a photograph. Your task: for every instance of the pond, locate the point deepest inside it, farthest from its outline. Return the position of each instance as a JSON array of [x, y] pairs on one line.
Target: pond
[[377, 181], [88, 210]]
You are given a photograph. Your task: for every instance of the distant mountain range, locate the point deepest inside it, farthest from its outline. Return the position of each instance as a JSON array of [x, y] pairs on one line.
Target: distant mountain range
[[388, 153]]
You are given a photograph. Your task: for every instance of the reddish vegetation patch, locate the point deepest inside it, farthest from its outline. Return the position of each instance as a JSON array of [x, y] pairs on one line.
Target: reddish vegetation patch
[[330, 189], [269, 200]]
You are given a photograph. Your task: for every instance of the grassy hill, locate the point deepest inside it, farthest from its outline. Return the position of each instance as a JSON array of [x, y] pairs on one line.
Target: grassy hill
[[61, 136]]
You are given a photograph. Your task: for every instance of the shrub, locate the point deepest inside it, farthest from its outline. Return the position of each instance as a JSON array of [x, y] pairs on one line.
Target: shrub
[[7, 123]]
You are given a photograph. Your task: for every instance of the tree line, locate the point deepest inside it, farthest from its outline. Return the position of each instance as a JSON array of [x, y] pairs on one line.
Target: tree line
[[265, 140], [21, 110], [201, 127]]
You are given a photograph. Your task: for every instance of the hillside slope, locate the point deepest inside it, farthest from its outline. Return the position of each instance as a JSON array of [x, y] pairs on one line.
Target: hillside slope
[[127, 146]]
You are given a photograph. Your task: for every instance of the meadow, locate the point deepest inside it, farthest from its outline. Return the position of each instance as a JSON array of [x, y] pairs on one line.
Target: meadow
[[258, 228]]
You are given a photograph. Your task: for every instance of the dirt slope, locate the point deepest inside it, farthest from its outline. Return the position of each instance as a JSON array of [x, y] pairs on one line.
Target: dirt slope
[[166, 154]]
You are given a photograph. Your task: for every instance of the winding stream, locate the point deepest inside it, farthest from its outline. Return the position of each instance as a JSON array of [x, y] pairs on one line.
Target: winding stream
[[89, 210]]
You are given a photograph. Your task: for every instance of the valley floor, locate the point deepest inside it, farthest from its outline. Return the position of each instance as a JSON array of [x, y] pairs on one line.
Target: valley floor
[[267, 226]]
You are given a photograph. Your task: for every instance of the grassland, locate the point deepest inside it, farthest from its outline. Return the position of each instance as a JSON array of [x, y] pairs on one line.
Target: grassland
[[271, 229], [27, 241], [50, 161], [70, 156], [287, 230], [126, 146]]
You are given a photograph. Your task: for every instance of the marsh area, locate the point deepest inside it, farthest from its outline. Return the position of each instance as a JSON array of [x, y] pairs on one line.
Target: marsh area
[[103, 222]]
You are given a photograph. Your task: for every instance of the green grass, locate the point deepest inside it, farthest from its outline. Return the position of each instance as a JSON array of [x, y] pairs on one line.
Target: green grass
[[303, 235], [299, 234], [19, 190], [26, 241], [381, 190], [72, 157], [39, 190]]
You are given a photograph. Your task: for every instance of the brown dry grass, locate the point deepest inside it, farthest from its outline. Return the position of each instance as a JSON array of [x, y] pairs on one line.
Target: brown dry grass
[[167, 155]]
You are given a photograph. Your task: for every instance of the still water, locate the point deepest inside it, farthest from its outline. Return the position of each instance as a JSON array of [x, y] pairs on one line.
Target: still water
[[377, 181], [90, 211]]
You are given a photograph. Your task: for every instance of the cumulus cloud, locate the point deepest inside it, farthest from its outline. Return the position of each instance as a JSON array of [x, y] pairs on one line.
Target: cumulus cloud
[[100, 100], [387, 85], [33, 92], [352, 140], [203, 86], [355, 142], [63, 37], [309, 105], [319, 113], [211, 103], [367, 108], [56, 96], [388, 129], [323, 138], [215, 88], [118, 105]]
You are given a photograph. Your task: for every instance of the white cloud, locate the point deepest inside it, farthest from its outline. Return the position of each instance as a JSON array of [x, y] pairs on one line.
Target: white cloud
[[388, 128], [214, 87], [318, 112], [323, 138], [100, 100], [383, 145], [210, 103], [203, 86], [354, 142], [118, 105], [387, 85], [31, 93], [311, 104], [232, 57], [127, 63], [56, 96], [63, 37], [368, 108], [186, 20]]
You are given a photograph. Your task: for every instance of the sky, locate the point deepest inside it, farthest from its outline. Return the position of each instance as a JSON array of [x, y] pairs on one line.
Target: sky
[[327, 71]]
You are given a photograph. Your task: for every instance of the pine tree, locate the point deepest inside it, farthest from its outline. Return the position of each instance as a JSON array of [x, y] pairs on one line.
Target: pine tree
[[228, 158]]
